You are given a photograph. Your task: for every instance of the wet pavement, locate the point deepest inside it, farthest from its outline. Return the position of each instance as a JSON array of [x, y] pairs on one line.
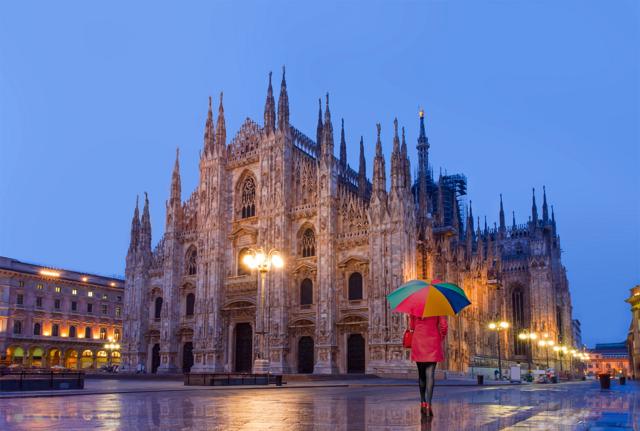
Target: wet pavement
[[568, 406]]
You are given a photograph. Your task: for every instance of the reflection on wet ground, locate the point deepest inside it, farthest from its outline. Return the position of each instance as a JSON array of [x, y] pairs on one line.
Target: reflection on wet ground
[[573, 406]]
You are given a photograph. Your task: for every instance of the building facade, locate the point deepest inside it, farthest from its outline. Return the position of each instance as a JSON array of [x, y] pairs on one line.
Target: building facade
[[57, 317], [347, 241], [609, 358], [633, 339]]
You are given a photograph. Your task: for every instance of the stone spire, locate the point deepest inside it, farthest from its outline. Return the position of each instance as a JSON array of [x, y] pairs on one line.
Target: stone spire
[[469, 232], [545, 208], [514, 220], [221, 132], [397, 164], [407, 163], [343, 147], [502, 225], [553, 215], [423, 168], [283, 105], [327, 133], [270, 110], [145, 227], [176, 187], [480, 248], [455, 221], [135, 229], [534, 209], [470, 221], [440, 212], [379, 176], [362, 172], [319, 128], [209, 133], [486, 229]]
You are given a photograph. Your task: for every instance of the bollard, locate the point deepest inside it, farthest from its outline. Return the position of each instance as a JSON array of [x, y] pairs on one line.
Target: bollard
[[605, 381], [623, 380], [279, 380], [480, 379]]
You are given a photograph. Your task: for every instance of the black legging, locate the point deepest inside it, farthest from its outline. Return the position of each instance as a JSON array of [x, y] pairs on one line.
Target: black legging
[[426, 379]]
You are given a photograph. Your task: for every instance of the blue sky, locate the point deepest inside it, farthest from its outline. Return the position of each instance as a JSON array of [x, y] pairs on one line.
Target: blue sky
[[94, 99]]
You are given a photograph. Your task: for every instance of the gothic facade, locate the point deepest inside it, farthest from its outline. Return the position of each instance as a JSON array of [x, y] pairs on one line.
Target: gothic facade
[[347, 242]]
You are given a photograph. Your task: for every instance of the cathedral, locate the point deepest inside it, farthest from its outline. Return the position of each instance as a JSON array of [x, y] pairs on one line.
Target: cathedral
[[191, 303]]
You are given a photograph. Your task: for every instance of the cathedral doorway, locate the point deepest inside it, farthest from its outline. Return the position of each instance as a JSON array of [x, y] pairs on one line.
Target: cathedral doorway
[[244, 348], [305, 355], [355, 354], [155, 358], [187, 357]]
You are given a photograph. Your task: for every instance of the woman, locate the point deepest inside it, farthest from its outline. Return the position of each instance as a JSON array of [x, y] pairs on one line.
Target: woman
[[426, 351]]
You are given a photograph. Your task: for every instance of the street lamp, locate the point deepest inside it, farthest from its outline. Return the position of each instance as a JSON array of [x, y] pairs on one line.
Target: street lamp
[[546, 343], [499, 326], [111, 347], [525, 335], [257, 259]]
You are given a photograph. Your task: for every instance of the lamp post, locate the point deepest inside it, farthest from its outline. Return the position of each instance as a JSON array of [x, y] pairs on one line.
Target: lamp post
[[111, 347], [546, 343], [257, 259], [499, 326], [525, 335]]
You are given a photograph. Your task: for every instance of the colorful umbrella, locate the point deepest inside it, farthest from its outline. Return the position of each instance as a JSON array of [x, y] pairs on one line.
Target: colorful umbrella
[[422, 299]]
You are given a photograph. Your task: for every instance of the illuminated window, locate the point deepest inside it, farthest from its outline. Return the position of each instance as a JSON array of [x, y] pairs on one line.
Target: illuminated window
[[105, 297], [116, 335], [21, 283], [118, 311], [74, 291], [58, 289], [90, 294], [103, 333], [39, 286], [20, 299]]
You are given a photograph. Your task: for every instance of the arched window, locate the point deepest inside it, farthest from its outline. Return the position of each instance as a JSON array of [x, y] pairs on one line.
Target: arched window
[[306, 292], [191, 261], [158, 308], [248, 198], [355, 286], [55, 330], [517, 309], [242, 268], [116, 335], [103, 333], [88, 332], [72, 332], [191, 302], [37, 329], [308, 243]]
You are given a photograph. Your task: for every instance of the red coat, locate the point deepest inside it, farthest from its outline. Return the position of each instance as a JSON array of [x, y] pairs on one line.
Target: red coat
[[428, 334]]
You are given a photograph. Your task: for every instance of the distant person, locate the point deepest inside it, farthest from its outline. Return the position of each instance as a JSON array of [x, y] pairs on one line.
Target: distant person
[[426, 351], [496, 374]]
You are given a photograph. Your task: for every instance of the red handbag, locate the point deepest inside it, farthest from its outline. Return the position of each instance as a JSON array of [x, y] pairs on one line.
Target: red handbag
[[406, 339]]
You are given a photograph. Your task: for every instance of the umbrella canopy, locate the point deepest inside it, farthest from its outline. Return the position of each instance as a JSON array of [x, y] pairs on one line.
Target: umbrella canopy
[[422, 299]]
